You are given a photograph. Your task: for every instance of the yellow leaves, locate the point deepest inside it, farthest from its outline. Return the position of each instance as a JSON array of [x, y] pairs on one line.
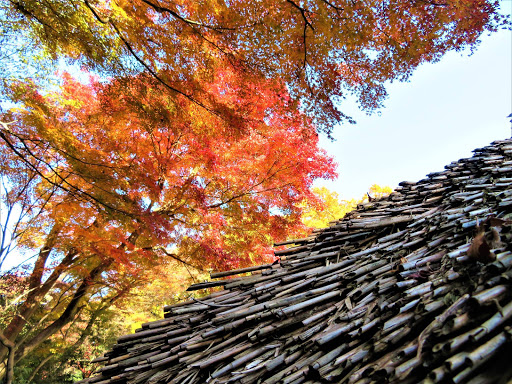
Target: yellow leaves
[[376, 191], [119, 8], [330, 207], [164, 285]]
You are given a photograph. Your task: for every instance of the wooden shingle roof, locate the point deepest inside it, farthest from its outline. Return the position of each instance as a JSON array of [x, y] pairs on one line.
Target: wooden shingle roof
[[389, 293]]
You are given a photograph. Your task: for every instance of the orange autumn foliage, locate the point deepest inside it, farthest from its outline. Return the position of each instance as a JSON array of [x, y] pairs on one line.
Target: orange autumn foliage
[[121, 176], [128, 159]]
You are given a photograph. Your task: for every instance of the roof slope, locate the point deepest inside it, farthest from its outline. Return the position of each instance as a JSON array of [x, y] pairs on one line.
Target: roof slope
[[388, 293]]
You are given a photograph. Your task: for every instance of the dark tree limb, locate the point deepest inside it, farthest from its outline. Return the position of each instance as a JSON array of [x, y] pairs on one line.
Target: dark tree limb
[[10, 357], [307, 24], [171, 255], [68, 314], [134, 54], [64, 184]]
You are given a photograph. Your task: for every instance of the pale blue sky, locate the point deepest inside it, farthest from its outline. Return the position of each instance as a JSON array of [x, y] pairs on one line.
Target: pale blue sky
[[446, 110]]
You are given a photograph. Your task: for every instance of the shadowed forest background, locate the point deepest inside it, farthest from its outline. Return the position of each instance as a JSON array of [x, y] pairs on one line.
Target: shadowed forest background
[[146, 143]]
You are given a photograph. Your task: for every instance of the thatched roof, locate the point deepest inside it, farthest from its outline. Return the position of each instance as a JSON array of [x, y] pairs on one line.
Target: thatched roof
[[410, 288]]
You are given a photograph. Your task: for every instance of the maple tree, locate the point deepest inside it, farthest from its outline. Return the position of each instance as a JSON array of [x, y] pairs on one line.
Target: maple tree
[[323, 50], [120, 177]]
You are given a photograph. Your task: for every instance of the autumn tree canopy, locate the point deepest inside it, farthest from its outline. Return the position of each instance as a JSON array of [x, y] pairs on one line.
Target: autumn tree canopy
[[322, 50], [125, 151], [116, 177]]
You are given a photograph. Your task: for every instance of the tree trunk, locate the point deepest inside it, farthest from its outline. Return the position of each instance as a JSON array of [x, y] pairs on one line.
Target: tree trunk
[[67, 316], [30, 306], [32, 301], [9, 345]]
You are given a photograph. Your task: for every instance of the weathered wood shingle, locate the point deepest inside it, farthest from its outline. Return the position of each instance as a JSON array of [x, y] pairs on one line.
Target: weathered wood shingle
[[389, 293]]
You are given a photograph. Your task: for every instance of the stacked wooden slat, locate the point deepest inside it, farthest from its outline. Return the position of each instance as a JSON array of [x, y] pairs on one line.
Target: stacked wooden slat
[[386, 294]]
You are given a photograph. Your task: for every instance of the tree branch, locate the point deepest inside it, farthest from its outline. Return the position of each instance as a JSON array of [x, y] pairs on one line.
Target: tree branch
[[68, 314], [96, 14], [71, 189], [39, 366], [142, 62], [10, 357], [161, 9], [167, 253], [307, 24], [332, 5]]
